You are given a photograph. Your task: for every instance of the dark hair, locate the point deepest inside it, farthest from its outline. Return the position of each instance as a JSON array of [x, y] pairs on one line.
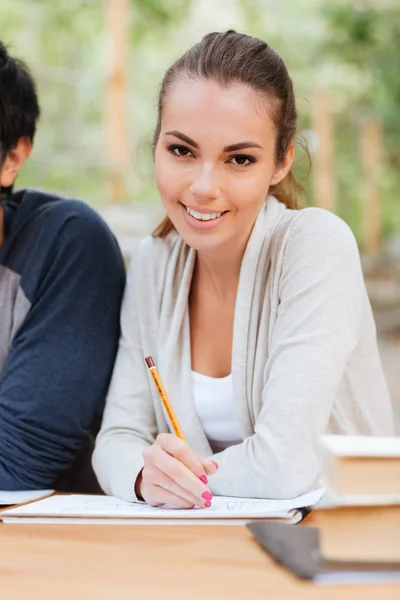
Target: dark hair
[[19, 107], [229, 58]]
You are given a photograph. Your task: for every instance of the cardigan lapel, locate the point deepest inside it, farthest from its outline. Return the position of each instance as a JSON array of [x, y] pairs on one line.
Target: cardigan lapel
[[175, 365], [247, 311]]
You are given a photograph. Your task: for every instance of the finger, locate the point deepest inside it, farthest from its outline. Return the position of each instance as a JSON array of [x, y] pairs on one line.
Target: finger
[[210, 466], [158, 496], [162, 480], [179, 473], [182, 452], [152, 473]]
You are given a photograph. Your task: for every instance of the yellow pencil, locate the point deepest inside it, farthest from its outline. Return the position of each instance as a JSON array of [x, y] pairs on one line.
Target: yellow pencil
[[164, 397]]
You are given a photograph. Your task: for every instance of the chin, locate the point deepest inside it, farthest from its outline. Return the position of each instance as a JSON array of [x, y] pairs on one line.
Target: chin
[[201, 242]]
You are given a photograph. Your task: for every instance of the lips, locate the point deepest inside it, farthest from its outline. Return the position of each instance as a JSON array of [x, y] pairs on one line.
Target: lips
[[202, 215], [202, 221]]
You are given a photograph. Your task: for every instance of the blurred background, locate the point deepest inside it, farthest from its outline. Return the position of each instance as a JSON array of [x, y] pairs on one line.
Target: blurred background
[[98, 65]]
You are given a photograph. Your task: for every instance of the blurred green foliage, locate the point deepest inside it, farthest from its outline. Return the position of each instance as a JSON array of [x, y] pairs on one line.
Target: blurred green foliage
[[369, 40], [366, 37], [351, 49], [64, 42]]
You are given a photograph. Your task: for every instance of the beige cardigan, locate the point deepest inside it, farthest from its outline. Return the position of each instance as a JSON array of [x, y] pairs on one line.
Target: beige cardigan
[[304, 358]]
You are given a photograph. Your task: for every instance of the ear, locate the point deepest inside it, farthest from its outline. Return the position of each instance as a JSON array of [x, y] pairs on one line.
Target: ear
[[283, 168], [14, 161]]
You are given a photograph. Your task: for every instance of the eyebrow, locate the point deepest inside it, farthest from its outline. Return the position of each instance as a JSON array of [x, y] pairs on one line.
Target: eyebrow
[[231, 148]]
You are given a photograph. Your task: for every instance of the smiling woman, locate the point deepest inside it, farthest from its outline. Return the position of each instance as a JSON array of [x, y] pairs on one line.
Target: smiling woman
[[221, 161], [255, 312], [249, 104]]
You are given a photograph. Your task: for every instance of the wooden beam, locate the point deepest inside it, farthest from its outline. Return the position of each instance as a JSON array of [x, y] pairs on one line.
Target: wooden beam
[[371, 160], [323, 159], [117, 17]]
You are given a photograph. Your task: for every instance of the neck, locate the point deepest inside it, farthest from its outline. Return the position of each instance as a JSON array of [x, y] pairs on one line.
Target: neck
[[1, 226], [221, 270]]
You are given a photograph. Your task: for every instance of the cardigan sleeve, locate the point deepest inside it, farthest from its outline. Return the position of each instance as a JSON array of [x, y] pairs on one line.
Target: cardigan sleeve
[[129, 422], [321, 299]]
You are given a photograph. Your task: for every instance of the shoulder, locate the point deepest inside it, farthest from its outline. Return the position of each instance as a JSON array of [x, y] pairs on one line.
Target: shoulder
[[154, 249], [54, 214], [317, 219], [312, 236], [156, 271], [78, 221], [77, 229], [319, 246], [153, 256], [47, 231], [318, 229], [62, 236]]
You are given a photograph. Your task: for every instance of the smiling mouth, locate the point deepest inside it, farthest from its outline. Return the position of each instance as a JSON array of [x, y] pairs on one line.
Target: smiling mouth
[[204, 216]]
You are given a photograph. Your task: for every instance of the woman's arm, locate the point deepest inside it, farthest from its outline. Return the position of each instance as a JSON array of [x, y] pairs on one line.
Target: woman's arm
[[130, 458], [321, 301], [129, 423]]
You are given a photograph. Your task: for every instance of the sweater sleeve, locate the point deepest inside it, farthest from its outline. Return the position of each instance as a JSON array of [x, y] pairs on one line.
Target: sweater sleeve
[[60, 361], [320, 305], [129, 422]]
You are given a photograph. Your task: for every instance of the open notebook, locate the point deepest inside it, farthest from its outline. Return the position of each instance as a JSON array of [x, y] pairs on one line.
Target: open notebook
[[7, 498], [79, 509]]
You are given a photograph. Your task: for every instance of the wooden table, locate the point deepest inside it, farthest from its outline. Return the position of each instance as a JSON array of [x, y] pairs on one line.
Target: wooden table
[[74, 562]]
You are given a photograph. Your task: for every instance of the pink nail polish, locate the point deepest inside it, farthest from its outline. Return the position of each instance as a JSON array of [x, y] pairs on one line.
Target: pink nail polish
[[204, 479], [207, 504], [215, 464], [206, 495]]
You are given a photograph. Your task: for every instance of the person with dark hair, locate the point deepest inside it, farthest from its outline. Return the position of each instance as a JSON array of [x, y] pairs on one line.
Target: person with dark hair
[[61, 283], [254, 311]]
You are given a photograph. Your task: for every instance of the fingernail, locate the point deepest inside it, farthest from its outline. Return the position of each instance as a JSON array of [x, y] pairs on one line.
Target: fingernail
[[206, 495], [215, 464], [204, 479], [207, 504]]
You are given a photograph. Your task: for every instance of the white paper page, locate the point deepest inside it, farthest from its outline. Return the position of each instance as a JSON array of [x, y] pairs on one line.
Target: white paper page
[[127, 522], [362, 445], [357, 578], [24, 496], [111, 507]]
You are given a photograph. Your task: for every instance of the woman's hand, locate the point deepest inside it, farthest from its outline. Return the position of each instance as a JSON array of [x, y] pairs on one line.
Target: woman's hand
[[174, 474]]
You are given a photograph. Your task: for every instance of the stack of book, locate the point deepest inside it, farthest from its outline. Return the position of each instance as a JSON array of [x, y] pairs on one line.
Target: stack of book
[[362, 470], [354, 535], [362, 477]]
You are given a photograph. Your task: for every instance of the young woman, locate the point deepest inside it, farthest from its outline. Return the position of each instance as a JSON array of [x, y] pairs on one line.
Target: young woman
[[255, 313]]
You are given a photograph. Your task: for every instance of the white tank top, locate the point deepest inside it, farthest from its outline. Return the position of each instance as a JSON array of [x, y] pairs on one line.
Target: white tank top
[[213, 399]]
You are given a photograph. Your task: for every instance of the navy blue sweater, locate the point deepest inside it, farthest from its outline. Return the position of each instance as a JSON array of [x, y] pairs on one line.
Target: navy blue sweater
[[61, 282]]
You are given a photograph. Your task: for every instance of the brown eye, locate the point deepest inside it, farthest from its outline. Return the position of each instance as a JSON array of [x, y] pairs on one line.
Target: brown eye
[[178, 150], [242, 160]]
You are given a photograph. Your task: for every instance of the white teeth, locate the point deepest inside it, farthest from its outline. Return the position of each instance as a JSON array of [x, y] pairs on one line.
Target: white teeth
[[203, 216]]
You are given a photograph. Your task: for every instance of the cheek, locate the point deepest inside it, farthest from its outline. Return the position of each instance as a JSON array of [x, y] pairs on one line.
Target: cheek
[[165, 180], [250, 192]]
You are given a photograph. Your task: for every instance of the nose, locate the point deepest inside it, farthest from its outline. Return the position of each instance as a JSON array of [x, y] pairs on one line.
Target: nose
[[205, 185]]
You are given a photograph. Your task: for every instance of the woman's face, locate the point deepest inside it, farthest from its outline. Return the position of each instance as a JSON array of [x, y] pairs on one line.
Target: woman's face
[[215, 161]]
